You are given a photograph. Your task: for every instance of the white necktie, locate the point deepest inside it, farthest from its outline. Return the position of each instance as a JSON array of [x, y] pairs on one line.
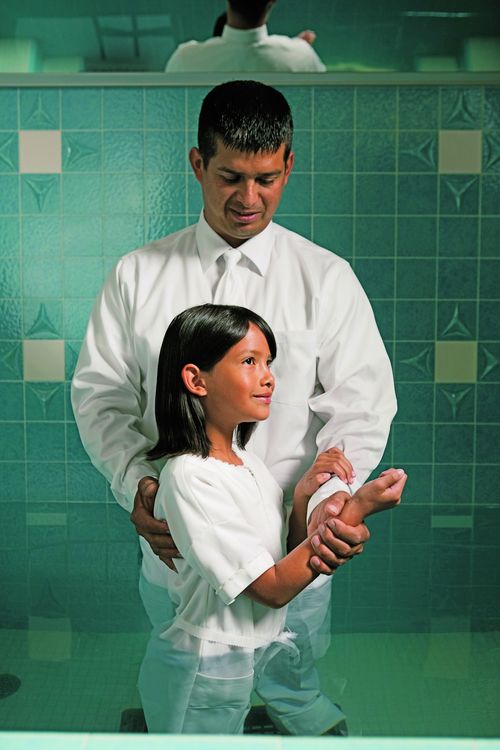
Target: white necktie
[[229, 290]]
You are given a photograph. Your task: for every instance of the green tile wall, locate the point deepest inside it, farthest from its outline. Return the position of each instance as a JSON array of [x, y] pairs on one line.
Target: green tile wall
[[367, 185]]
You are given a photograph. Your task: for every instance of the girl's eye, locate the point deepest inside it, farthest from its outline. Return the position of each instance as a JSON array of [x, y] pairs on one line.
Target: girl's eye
[[249, 361]]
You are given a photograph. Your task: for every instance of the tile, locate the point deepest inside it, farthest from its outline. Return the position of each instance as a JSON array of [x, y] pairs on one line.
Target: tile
[[333, 108], [415, 278], [9, 236], [10, 320], [11, 366], [454, 442], [40, 109], [375, 194], [456, 362], [453, 485], [82, 235], [11, 402], [376, 276], [459, 151], [384, 315], [489, 315], [42, 319], [12, 441], [164, 194], [376, 107], [412, 443], [123, 108], [44, 401], [416, 235], [12, 483], [40, 151], [299, 99], [491, 152], [43, 360], [302, 147], [297, 196], [165, 108], [123, 151], [87, 485], [160, 226], [488, 402], [82, 194], [81, 109], [457, 279], [43, 277], [492, 107], [299, 224], [124, 192], [455, 403], [415, 320], [40, 194], [195, 96], [333, 193], [86, 521], [489, 279], [461, 107], [417, 151], [418, 107], [491, 194], [82, 151], [486, 485], [458, 237], [45, 441], [194, 199], [489, 361], [335, 233], [375, 151], [9, 194], [417, 194], [8, 109], [74, 448], [9, 152], [333, 151], [375, 236], [44, 486], [165, 151], [415, 402], [83, 277], [459, 194], [76, 313], [10, 280], [41, 237], [457, 320], [122, 234]]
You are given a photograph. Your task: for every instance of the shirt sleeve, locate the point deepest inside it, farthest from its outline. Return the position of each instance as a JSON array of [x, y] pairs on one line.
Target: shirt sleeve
[[106, 395], [209, 529], [358, 401]]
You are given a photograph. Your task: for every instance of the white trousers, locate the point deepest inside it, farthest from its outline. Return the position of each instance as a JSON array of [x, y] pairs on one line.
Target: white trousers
[[204, 701]]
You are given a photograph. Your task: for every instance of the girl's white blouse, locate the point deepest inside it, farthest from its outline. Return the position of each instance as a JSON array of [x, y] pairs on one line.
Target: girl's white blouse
[[229, 523]]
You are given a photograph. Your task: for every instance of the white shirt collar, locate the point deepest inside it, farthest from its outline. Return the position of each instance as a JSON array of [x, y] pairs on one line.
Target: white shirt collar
[[211, 246], [246, 36]]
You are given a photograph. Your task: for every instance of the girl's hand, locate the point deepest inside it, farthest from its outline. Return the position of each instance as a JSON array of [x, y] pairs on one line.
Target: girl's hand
[[328, 463]]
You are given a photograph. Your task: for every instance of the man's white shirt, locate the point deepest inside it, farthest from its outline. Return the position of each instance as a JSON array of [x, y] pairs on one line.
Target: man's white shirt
[[334, 384], [245, 50]]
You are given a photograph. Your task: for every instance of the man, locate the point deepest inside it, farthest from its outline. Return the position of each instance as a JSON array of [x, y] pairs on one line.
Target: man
[[246, 46], [334, 381]]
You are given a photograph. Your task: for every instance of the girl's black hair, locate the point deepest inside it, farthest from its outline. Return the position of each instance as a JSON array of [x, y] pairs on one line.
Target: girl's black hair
[[200, 335]]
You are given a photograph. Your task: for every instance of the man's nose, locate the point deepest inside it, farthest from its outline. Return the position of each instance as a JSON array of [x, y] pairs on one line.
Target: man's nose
[[248, 193]]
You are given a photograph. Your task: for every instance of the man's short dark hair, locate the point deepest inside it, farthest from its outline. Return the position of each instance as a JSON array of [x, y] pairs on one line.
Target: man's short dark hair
[[247, 116], [251, 10]]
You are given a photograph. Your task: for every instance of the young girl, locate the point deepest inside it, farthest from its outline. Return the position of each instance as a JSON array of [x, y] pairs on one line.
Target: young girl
[[226, 514]]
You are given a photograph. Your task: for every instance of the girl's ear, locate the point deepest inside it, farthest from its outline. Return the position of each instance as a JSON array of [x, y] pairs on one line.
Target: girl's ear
[[193, 380]]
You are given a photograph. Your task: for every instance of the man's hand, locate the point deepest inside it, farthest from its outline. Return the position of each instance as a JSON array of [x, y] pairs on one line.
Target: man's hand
[[334, 542], [154, 531]]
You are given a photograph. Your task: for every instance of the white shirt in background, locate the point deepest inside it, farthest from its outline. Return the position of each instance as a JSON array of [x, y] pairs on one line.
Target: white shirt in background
[[245, 50]]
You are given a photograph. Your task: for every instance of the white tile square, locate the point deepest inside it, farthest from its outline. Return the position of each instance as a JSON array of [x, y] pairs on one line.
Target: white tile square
[[40, 151], [43, 360], [460, 151]]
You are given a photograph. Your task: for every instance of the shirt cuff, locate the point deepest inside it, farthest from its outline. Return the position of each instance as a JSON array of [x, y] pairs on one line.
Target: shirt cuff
[[328, 488], [243, 577], [126, 493]]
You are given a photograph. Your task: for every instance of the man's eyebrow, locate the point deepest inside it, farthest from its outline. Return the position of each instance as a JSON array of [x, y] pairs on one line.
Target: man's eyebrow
[[235, 172]]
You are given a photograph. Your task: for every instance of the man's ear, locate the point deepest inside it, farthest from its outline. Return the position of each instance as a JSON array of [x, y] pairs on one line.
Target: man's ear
[[196, 161], [193, 380], [289, 165]]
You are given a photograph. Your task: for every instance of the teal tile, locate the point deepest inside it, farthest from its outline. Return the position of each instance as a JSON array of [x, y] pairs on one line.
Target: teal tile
[[375, 151], [453, 484], [461, 108], [302, 147], [87, 485], [458, 237], [42, 236], [165, 108], [81, 109], [412, 444], [455, 402], [123, 192], [195, 96], [375, 194], [457, 279], [82, 194], [418, 488], [297, 196], [300, 100], [11, 441], [9, 194], [333, 151], [333, 193], [415, 278], [160, 226], [42, 277], [11, 402], [40, 194], [83, 277], [195, 202], [417, 194], [415, 402], [384, 315], [488, 367], [457, 320], [492, 107], [376, 107], [46, 486], [376, 276], [40, 109], [9, 236], [165, 151], [123, 564], [415, 321], [9, 152], [8, 109], [486, 485], [123, 108], [71, 350], [417, 235], [11, 365], [10, 280], [454, 443], [459, 194], [490, 237], [12, 483], [335, 233], [375, 236], [82, 235], [42, 319], [414, 361], [417, 151], [165, 194], [86, 521], [123, 151], [333, 108], [410, 525], [490, 279], [418, 107], [74, 448], [491, 152], [491, 194], [10, 319], [489, 315], [299, 224], [122, 234], [76, 313], [82, 151], [488, 402], [87, 561], [45, 441], [44, 401]]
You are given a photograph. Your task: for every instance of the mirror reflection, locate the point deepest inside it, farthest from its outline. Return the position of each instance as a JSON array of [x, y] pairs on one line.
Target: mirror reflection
[[283, 35]]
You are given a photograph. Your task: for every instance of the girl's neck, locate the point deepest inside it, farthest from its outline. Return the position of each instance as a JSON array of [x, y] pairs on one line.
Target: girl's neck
[[222, 446]]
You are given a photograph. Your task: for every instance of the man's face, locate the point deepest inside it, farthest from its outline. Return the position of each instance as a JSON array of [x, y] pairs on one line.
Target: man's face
[[241, 191]]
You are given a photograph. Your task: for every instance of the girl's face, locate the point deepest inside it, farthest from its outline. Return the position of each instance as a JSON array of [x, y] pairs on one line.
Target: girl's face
[[239, 387]]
